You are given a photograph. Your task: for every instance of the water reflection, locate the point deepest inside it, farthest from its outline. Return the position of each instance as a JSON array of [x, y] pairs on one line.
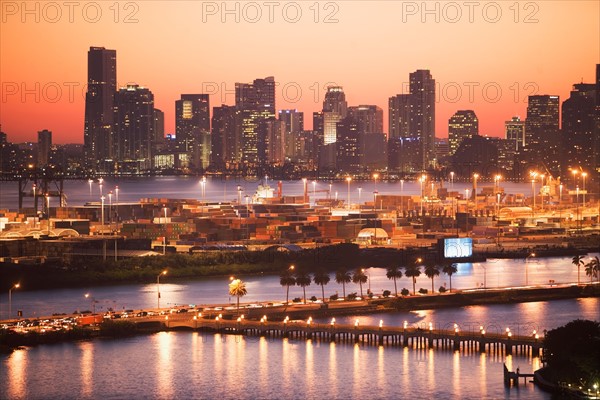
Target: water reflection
[[87, 368], [163, 340], [333, 373], [456, 374], [17, 374]]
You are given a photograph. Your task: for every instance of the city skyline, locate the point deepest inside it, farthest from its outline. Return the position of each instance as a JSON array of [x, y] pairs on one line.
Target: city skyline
[[231, 56]]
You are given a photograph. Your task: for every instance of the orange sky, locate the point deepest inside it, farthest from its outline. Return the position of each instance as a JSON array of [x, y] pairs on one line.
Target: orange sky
[[175, 47]]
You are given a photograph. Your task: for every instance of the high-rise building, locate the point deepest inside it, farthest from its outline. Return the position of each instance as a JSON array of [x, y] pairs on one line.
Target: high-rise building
[[579, 143], [542, 134], [422, 115], [226, 137], [274, 141], [99, 104], [335, 108], [192, 124], [159, 126], [294, 124], [514, 131], [348, 146], [133, 128], [256, 103], [413, 116], [399, 116], [44, 147], [462, 125], [368, 117]]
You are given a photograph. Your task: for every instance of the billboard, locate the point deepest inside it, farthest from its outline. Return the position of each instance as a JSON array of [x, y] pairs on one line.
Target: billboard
[[458, 247]]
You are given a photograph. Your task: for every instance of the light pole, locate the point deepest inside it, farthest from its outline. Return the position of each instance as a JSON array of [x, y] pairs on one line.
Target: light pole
[[560, 190], [576, 209], [583, 175], [48, 211], [375, 177], [348, 179], [117, 206], [329, 193], [165, 236], [15, 286], [467, 211], [102, 213], [542, 190], [100, 182], [304, 180], [359, 192], [475, 176], [239, 190], [34, 199], [87, 296], [110, 209], [452, 180], [401, 194], [158, 288], [203, 186], [314, 183], [533, 175], [422, 180], [90, 181]]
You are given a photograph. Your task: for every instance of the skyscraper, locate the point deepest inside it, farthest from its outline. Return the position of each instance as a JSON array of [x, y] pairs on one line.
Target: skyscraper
[[541, 132], [133, 128], [99, 104], [294, 125], [399, 116], [579, 144], [225, 135], [462, 125], [44, 147], [412, 116], [422, 114], [256, 103], [192, 125], [335, 108], [348, 146], [514, 131]]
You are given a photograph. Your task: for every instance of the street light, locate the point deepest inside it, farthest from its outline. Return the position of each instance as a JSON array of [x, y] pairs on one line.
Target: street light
[[583, 175], [375, 176], [533, 175], [102, 213], [87, 296], [158, 288], [422, 180], [402, 194], [48, 211], [359, 192], [452, 179], [475, 176], [348, 179], [304, 180], [100, 182], [15, 286], [314, 183], [203, 186], [90, 181], [110, 209]]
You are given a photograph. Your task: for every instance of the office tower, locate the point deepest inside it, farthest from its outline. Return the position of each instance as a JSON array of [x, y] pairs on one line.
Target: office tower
[[579, 144], [99, 104], [422, 115], [399, 116], [368, 117], [348, 146], [159, 126], [256, 103], [294, 124], [542, 134], [192, 124], [442, 148], [506, 157], [335, 108], [133, 128], [275, 131], [412, 116], [462, 125], [514, 131], [404, 154], [226, 137], [44, 147]]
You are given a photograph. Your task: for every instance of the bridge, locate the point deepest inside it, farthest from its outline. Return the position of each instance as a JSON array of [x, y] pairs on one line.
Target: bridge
[[405, 336]]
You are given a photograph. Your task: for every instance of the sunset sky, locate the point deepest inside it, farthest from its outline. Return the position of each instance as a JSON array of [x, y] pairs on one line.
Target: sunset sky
[[179, 47]]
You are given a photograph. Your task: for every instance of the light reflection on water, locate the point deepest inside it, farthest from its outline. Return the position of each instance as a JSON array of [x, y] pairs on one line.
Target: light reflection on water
[[186, 365]]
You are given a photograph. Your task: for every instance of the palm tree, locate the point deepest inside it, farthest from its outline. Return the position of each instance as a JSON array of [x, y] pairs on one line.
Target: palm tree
[[303, 280], [394, 273], [343, 276], [450, 269], [413, 271], [287, 279], [592, 268], [321, 278], [360, 277], [431, 270], [237, 288], [578, 261]]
